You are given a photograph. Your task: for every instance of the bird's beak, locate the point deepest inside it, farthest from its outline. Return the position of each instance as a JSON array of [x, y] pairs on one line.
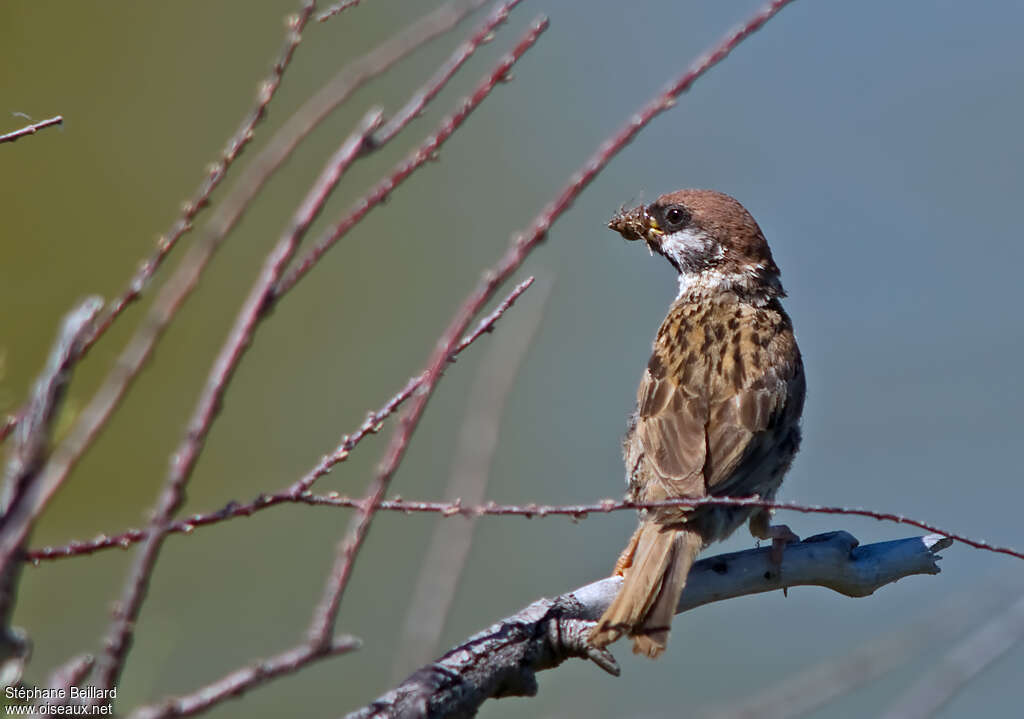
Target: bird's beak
[[637, 224]]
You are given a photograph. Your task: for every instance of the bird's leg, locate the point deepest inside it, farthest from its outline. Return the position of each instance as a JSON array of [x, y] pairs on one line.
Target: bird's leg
[[625, 560], [780, 534]]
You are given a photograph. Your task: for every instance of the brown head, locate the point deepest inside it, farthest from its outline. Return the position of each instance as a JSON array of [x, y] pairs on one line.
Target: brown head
[[709, 238]]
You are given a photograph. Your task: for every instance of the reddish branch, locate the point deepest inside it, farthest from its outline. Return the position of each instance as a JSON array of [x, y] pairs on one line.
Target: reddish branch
[[322, 626], [241, 680], [10, 422], [336, 9], [412, 109], [479, 437], [31, 129], [450, 509]]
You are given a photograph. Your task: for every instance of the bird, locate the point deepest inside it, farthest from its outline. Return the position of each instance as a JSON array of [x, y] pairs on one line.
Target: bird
[[718, 408]]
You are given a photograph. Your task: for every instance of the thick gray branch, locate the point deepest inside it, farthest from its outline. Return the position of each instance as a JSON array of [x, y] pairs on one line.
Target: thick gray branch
[[504, 659], [30, 448]]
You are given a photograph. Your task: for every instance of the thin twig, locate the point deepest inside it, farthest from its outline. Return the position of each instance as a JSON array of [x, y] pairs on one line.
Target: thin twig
[[324, 616], [299, 490], [242, 680], [575, 512], [441, 566], [336, 9], [10, 422], [31, 129], [119, 636], [71, 672], [458, 58]]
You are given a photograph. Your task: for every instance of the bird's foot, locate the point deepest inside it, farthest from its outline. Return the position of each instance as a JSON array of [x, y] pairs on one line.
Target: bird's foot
[[625, 560], [781, 535]]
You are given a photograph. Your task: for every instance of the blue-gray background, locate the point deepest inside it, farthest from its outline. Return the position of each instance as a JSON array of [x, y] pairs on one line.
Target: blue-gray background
[[877, 144]]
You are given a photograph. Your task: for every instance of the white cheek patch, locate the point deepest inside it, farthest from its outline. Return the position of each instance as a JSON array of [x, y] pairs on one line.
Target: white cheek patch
[[691, 247]]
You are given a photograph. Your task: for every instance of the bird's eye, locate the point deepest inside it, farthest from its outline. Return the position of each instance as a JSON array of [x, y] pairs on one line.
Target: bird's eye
[[676, 216]]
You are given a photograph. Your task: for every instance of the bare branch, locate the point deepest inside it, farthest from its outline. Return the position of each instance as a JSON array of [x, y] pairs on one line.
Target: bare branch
[[429, 91], [336, 9], [32, 437], [31, 129], [581, 511], [575, 512], [242, 680], [441, 566], [503, 660], [324, 616], [71, 672], [31, 446]]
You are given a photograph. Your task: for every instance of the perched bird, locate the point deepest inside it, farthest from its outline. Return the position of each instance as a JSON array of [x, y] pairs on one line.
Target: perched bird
[[718, 409]]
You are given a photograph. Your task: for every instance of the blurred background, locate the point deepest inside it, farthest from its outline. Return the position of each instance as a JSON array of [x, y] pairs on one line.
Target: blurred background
[[877, 144]]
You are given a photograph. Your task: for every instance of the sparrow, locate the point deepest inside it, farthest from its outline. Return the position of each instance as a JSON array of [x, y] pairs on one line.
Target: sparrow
[[718, 408]]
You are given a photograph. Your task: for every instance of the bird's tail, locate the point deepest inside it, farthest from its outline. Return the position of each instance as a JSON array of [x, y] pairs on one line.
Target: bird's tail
[[654, 568]]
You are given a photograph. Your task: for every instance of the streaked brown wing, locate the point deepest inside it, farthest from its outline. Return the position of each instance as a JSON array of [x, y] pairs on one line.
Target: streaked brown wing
[[746, 405], [670, 427], [732, 434]]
